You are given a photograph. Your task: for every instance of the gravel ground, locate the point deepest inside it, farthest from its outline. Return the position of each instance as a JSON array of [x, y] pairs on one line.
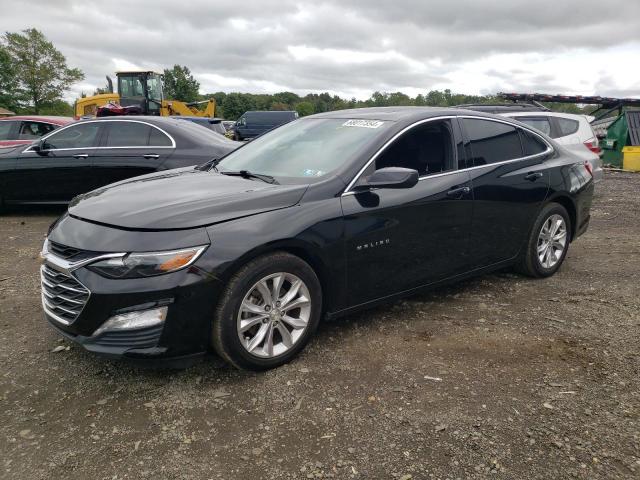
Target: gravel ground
[[500, 376]]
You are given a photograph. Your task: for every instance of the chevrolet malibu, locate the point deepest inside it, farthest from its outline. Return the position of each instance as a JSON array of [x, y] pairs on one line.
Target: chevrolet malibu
[[318, 218]]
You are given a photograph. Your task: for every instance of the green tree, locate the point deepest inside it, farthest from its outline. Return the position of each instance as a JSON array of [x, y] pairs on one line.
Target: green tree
[[304, 108], [179, 84], [41, 71], [8, 95]]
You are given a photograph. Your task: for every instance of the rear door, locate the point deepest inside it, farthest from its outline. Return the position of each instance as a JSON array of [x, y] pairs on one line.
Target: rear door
[[131, 148], [509, 180], [61, 170]]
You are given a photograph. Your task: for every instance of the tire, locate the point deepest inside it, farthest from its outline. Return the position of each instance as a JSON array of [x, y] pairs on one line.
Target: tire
[[237, 137], [246, 305], [537, 260]]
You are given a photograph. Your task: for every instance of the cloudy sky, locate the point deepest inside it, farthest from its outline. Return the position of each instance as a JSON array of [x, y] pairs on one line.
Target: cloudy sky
[[351, 48]]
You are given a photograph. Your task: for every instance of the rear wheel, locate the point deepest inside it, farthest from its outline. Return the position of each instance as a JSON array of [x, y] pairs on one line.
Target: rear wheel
[[268, 312], [548, 242], [237, 137]]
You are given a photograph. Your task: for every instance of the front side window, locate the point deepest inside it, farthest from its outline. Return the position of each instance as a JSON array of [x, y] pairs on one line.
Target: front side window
[[81, 135], [128, 134], [567, 126], [539, 123], [154, 87], [307, 149], [5, 129], [427, 148], [491, 141]]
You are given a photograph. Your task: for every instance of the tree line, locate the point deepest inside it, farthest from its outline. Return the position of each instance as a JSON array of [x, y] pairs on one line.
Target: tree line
[[34, 77]]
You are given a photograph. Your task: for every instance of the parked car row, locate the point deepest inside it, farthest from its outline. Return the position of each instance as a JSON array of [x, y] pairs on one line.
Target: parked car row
[[89, 154]]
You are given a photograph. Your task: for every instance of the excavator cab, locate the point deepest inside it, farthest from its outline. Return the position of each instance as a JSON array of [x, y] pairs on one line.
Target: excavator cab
[[142, 90]]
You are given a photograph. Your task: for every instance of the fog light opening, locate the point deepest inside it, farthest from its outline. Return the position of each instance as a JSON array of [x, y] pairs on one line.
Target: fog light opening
[[133, 320]]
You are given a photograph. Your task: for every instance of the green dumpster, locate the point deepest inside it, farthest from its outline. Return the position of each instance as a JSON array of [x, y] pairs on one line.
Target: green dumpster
[[623, 131]]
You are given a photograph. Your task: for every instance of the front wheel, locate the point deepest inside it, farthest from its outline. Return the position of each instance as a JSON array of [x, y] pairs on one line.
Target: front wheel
[[548, 242], [268, 312]]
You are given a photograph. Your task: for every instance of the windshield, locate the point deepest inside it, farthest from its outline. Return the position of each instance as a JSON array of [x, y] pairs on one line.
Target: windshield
[[304, 149]]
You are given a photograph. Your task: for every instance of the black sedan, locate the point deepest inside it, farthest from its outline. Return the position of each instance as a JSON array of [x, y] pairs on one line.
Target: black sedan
[[89, 154], [319, 217]]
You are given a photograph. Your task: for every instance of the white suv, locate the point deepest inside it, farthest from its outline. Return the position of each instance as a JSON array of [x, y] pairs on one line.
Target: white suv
[[571, 131]]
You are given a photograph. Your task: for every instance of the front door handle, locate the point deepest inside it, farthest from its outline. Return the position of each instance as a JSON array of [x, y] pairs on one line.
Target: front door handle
[[533, 176], [151, 155], [458, 192], [81, 155]]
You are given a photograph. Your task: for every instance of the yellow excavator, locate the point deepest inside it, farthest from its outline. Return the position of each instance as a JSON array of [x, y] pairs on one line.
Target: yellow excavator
[[139, 93]]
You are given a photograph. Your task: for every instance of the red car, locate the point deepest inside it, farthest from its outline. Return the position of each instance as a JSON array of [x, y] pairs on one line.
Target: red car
[[22, 130]]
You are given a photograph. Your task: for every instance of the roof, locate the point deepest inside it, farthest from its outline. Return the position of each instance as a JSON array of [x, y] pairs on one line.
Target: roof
[[4, 111], [138, 71], [502, 107], [575, 116], [395, 114], [56, 120]]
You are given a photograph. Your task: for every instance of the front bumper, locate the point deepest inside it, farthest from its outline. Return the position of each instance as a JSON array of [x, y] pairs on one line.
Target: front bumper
[[189, 296]]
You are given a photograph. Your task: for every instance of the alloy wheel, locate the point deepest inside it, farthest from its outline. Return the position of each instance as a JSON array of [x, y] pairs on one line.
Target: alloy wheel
[[274, 314], [552, 241]]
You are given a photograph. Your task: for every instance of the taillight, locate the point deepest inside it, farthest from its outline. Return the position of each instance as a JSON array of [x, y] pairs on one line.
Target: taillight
[[592, 145], [588, 167]]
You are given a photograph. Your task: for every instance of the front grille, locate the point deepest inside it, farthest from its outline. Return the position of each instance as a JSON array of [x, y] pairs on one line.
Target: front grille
[[70, 253], [62, 251], [63, 297]]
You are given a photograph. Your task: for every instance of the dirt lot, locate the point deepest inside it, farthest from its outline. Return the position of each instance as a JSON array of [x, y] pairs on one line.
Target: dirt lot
[[500, 376]]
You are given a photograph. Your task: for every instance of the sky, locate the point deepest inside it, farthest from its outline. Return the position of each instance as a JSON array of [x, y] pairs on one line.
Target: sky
[[350, 48]]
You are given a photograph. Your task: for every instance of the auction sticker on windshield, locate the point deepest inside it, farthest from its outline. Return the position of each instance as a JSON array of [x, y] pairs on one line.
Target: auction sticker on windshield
[[362, 123]]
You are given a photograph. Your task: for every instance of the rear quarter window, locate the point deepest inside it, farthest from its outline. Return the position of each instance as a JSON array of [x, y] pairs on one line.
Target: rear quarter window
[[531, 143], [567, 126]]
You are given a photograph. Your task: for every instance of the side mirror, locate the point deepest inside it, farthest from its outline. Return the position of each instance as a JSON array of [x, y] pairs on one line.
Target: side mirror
[[390, 177], [39, 148]]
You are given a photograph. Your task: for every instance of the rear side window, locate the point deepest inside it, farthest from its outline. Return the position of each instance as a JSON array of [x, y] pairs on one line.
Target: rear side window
[[539, 123], [531, 144], [567, 126], [5, 128], [491, 141], [128, 134]]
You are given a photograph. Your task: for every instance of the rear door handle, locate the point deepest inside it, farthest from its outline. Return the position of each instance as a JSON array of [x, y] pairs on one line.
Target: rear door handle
[[533, 176], [81, 155], [151, 155], [458, 192]]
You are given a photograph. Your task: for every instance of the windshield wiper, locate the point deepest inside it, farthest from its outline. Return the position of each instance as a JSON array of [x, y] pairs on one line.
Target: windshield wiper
[[248, 174]]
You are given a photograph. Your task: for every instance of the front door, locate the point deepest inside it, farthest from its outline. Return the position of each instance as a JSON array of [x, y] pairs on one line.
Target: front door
[[397, 240]]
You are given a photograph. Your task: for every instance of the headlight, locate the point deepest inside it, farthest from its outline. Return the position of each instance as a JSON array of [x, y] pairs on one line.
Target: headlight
[[149, 264]]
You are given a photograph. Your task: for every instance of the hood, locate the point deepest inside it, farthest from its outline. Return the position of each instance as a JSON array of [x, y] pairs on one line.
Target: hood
[[180, 199]]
